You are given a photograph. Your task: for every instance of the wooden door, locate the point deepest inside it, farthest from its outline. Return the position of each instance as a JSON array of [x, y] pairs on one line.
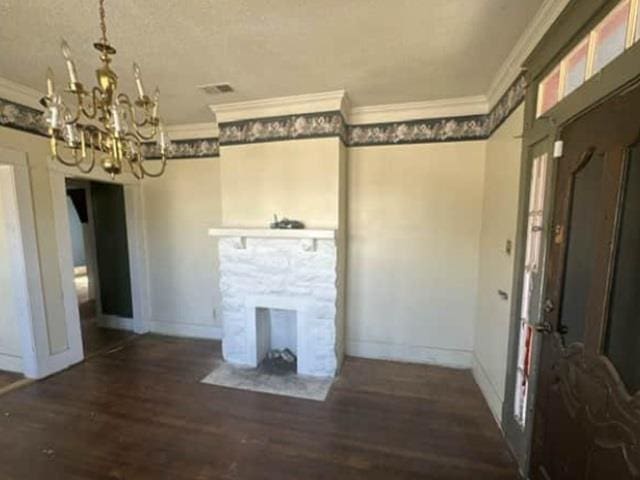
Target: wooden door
[[587, 414]]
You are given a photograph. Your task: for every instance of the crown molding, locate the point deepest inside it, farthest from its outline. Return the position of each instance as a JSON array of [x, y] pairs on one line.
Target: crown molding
[[193, 130], [21, 94], [278, 106], [546, 15], [397, 112]]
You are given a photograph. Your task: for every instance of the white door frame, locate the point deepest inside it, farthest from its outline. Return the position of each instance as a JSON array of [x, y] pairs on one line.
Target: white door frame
[[137, 252], [16, 191]]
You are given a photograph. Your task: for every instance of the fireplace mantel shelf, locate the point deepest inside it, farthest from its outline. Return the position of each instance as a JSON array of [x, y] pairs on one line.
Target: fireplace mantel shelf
[[272, 233]]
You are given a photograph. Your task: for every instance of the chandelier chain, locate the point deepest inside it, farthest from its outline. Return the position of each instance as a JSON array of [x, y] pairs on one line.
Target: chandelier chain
[[103, 23]]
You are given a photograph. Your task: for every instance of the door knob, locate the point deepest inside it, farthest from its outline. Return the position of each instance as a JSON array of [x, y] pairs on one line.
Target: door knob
[[549, 306]]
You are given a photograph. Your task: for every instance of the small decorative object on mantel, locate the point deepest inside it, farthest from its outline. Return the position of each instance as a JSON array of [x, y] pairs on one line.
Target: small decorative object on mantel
[[286, 224]]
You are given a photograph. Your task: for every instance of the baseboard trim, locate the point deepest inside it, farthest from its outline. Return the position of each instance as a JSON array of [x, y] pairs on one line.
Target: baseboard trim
[[10, 363], [115, 322], [488, 390], [190, 330], [410, 353]]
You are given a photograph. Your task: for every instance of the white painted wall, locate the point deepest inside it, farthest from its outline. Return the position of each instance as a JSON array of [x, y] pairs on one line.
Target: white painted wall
[[414, 227], [179, 207], [499, 223], [298, 179], [10, 349]]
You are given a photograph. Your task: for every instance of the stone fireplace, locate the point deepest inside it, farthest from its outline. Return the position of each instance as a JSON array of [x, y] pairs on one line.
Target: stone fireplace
[[282, 289]]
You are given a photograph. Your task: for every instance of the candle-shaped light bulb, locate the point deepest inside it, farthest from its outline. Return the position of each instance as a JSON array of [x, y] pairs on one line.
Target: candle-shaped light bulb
[[71, 68], [156, 102], [138, 76], [50, 84]]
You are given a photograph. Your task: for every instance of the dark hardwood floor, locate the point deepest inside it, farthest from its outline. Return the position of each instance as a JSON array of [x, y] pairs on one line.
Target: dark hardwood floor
[[8, 378], [95, 338], [139, 412]]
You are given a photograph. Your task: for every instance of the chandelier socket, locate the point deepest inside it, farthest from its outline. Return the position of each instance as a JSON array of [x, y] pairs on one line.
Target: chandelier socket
[[76, 87]]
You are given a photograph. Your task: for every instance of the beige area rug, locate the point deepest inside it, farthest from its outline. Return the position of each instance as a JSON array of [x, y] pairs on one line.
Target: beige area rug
[[258, 380]]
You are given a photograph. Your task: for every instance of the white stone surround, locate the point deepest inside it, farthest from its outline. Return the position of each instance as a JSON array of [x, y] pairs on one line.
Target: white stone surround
[[294, 273]]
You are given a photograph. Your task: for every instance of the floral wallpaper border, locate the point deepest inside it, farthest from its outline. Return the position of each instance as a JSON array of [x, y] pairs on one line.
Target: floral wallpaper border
[[190, 148], [451, 129], [21, 117], [311, 125], [287, 127]]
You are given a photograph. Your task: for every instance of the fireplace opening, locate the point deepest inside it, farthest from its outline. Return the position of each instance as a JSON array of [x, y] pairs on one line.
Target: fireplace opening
[[276, 340]]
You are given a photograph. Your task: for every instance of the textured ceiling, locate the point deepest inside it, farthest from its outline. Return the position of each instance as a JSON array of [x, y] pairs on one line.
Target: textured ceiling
[[380, 51]]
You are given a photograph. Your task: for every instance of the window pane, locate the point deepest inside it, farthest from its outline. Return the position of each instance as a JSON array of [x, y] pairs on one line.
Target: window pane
[[622, 344], [549, 91], [575, 67], [611, 36], [531, 283], [580, 260]]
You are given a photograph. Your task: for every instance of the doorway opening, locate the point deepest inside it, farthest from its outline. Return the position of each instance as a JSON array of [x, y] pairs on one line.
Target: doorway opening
[[102, 280]]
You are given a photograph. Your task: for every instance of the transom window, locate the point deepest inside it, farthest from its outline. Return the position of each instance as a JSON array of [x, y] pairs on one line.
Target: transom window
[[616, 32]]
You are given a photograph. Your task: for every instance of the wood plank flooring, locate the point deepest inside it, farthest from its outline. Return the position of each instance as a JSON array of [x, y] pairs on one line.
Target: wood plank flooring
[[8, 378], [96, 339], [140, 413]]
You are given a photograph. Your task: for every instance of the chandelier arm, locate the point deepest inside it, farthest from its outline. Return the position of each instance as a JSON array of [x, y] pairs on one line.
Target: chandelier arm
[[78, 112], [92, 149], [146, 137], [134, 151], [142, 160], [91, 114], [138, 174], [131, 110], [53, 145], [79, 166], [157, 174]]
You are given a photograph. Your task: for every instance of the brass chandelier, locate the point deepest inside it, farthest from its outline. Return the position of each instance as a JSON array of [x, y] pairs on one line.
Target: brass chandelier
[[103, 122]]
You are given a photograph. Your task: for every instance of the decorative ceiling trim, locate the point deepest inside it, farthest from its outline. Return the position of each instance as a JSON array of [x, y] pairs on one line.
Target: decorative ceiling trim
[[399, 112], [199, 140], [193, 130], [511, 68], [280, 106]]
